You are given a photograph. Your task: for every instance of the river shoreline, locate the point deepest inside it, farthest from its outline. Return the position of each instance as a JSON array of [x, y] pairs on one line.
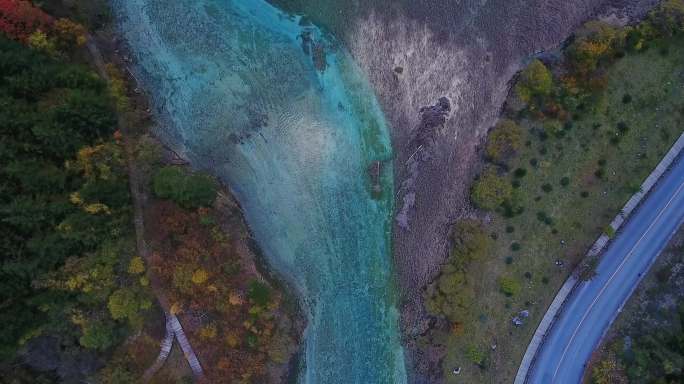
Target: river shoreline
[[114, 49], [373, 333], [481, 63]]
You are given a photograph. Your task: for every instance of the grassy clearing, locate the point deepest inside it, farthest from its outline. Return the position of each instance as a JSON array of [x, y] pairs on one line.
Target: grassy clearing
[[576, 179]]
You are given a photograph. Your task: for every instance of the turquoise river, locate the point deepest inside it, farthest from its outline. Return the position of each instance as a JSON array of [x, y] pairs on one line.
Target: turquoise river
[[277, 110]]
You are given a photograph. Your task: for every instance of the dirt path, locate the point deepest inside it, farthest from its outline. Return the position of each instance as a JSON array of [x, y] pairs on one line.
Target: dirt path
[[139, 197]]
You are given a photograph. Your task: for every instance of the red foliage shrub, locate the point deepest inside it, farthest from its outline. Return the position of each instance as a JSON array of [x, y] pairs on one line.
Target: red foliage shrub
[[19, 19], [201, 272]]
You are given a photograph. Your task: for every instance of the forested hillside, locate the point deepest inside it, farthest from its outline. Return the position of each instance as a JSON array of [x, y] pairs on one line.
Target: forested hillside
[[70, 286]]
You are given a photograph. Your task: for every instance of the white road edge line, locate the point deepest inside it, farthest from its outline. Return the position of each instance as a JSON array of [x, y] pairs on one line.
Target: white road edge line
[[631, 252]]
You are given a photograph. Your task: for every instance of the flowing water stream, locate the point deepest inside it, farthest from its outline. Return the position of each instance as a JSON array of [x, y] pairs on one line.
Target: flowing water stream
[[279, 112]]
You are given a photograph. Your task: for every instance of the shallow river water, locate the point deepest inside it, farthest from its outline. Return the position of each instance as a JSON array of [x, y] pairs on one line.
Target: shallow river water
[[281, 114]]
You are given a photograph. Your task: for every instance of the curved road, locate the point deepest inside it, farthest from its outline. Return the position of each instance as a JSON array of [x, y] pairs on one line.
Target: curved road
[[594, 304]]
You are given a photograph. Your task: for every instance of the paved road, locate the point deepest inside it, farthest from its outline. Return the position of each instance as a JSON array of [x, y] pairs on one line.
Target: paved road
[[595, 304]]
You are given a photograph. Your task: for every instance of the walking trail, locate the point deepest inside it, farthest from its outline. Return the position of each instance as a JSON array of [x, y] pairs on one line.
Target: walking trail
[[174, 330]]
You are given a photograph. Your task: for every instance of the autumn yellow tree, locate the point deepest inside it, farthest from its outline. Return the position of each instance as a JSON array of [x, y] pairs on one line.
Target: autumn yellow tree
[[594, 42], [69, 33]]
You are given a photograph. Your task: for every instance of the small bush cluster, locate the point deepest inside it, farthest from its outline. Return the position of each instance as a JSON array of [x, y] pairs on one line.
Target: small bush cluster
[[184, 188], [451, 295]]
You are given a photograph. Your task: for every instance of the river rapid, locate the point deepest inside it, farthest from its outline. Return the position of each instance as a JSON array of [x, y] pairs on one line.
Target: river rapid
[[278, 112]]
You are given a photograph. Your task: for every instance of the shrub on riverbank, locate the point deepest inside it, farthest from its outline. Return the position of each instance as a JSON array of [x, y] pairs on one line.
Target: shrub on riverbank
[[491, 190], [186, 189], [202, 271], [503, 140], [535, 83], [451, 295]]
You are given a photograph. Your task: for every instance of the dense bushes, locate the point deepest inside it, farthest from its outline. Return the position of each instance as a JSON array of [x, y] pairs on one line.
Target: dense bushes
[[204, 276], [188, 190], [451, 295], [491, 190], [535, 82], [668, 18], [503, 140], [64, 207], [655, 353], [20, 20]]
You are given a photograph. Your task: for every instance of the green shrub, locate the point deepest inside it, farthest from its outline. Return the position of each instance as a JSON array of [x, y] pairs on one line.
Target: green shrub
[[509, 286], [663, 274], [469, 242], [450, 295], [259, 293], [622, 127], [97, 335], [535, 82], [475, 355], [609, 231], [503, 140], [551, 128], [490, 190], [187, 190]]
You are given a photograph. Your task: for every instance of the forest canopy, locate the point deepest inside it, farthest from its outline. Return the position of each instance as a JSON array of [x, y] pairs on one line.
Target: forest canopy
[[65, 213]]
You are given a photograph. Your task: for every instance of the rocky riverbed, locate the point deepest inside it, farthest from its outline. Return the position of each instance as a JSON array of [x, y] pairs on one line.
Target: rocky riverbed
[[415, 54]]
